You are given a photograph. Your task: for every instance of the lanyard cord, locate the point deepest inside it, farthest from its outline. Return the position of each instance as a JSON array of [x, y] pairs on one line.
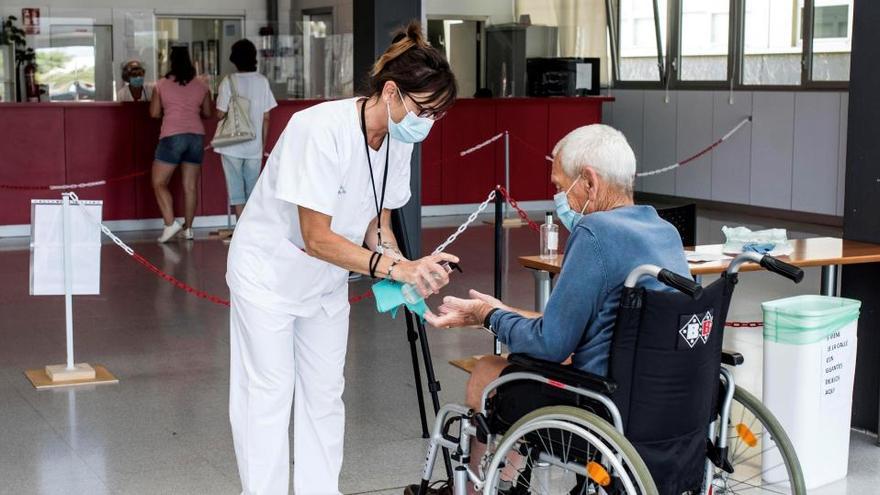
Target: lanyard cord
[[380, 203]]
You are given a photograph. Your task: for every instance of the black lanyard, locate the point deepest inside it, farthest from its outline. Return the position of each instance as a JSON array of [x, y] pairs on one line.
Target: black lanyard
[[380, 202]]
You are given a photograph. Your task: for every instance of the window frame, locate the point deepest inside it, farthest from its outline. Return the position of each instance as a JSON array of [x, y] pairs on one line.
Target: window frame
[[662, 60], [670, 62]]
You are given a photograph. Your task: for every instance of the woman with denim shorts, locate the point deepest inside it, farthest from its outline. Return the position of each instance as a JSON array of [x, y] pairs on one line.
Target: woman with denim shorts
[[181, 101], [242, 161]]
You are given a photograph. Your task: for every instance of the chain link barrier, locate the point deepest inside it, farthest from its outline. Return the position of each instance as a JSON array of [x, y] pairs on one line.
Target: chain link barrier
[[81, 185], [461, 228], [522, 214], [483, 144], [744, 324]]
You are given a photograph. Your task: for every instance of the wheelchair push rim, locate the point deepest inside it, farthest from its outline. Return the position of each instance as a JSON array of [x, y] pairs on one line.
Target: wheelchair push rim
[[760, 452], [610, 461]]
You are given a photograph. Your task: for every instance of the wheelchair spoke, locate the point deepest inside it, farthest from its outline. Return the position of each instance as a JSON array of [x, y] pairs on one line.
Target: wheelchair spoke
[[546, 449], [761, 453], [568, 448], [737, 483]]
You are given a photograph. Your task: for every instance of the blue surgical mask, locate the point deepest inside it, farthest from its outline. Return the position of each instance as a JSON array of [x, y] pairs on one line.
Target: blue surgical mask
[[568, 217], [136, 82], [412, 128]]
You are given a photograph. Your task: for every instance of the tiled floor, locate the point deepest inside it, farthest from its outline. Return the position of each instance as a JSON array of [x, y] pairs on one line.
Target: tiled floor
[[164, 428]]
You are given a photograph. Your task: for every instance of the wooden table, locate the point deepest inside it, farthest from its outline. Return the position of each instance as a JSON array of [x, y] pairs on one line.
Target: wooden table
[[826, 252]]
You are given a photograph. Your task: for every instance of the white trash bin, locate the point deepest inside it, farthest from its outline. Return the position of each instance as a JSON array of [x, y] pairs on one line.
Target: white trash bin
[[809, 367]]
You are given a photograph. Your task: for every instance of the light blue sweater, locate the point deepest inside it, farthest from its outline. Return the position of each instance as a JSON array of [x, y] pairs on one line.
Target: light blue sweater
[[579, 319]]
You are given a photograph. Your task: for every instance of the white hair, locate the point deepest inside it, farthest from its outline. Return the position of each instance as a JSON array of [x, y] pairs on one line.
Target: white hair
[[601, 147]]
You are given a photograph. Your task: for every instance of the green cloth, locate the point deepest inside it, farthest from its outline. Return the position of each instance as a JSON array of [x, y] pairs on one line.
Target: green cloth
[[389, 297], [805, 320]]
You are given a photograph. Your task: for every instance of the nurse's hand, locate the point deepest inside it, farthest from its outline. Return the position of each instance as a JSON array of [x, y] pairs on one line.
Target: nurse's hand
[[425, 274]]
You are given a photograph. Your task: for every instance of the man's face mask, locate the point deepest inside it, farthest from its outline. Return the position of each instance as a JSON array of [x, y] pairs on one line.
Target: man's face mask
[[568, 217], [136, 81], [412, 128]]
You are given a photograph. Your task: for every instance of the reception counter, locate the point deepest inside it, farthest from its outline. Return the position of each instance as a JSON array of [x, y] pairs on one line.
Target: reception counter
[[64, 143]]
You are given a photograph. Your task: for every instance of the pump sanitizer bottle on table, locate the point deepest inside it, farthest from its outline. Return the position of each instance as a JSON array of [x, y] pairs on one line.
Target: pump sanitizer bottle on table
[[549, 238]]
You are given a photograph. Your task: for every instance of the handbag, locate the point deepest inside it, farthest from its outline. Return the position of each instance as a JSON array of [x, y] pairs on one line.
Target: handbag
[[235, 127]]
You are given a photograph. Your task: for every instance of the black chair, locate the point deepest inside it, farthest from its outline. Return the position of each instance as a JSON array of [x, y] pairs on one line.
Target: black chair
[[684, 218]]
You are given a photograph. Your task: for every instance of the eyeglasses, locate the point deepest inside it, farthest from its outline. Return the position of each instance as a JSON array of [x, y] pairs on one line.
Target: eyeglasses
[[424, 112]]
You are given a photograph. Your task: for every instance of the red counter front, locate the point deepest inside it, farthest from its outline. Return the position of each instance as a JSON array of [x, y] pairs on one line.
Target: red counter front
[[43, 144]]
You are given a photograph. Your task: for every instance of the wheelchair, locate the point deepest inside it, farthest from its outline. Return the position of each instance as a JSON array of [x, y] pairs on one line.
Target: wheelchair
[[670, 419]]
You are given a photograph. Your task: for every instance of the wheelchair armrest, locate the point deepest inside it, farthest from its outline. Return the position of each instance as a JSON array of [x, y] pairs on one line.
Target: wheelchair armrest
[[565, 374], [731, 358]]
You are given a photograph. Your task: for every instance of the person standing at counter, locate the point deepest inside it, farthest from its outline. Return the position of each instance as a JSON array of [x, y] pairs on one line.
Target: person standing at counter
[[181, 100], [330, 183], [242, 162], [134, 87]]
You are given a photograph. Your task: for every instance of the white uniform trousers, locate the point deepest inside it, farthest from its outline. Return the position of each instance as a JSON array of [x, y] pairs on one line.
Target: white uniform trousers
[[277, 358]]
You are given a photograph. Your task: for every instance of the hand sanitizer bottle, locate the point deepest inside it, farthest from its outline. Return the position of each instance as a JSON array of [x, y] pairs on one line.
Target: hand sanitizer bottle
[[549, 238], [411, 294]]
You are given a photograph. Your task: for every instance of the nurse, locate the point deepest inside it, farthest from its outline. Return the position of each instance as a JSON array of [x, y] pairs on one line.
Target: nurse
[[328, 187]]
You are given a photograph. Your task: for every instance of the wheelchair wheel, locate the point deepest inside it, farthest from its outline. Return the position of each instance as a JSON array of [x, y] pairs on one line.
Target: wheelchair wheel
[[566, 450], [760, 452]]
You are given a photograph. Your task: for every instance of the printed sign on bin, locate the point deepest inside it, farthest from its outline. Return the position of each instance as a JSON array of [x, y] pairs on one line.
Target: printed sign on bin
[[836, 360]]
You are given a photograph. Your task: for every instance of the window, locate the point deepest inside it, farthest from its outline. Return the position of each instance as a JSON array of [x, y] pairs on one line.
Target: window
[[831, 21], [638, 40], [76, 62], [738, 44], [704, 40], [772, 46], [832, 40]]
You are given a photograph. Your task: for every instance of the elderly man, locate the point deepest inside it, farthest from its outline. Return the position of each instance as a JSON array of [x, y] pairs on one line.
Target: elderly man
[[593, 170], [134, 88]]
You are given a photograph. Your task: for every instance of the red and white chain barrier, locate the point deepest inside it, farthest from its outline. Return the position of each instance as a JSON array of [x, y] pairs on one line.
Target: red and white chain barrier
[[483, 144], [676, 165], [522, 214], [744, 324], [68, 187], [699, 153]]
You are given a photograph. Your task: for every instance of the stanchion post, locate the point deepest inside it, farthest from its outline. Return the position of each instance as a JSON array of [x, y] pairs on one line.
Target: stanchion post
[[499, 220], [506, 167], [68, 277]]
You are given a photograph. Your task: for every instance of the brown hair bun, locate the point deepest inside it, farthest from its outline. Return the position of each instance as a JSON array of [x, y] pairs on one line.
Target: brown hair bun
[[416, 67]]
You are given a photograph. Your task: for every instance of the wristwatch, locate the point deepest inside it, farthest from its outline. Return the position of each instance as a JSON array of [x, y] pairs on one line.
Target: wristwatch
[[487, 321]]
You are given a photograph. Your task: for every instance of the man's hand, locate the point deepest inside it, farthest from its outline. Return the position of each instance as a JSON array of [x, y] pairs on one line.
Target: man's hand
[[491, 301], [457, 312]]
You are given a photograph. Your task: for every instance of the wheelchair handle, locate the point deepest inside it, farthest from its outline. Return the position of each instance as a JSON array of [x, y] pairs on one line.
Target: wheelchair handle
[[772, 264], [683, 284], [672, 279], [787, 270]]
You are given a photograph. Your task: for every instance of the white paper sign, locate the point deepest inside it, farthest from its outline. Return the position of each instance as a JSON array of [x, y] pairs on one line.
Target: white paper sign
[[583, 76], [837, 359], [47, 247]]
